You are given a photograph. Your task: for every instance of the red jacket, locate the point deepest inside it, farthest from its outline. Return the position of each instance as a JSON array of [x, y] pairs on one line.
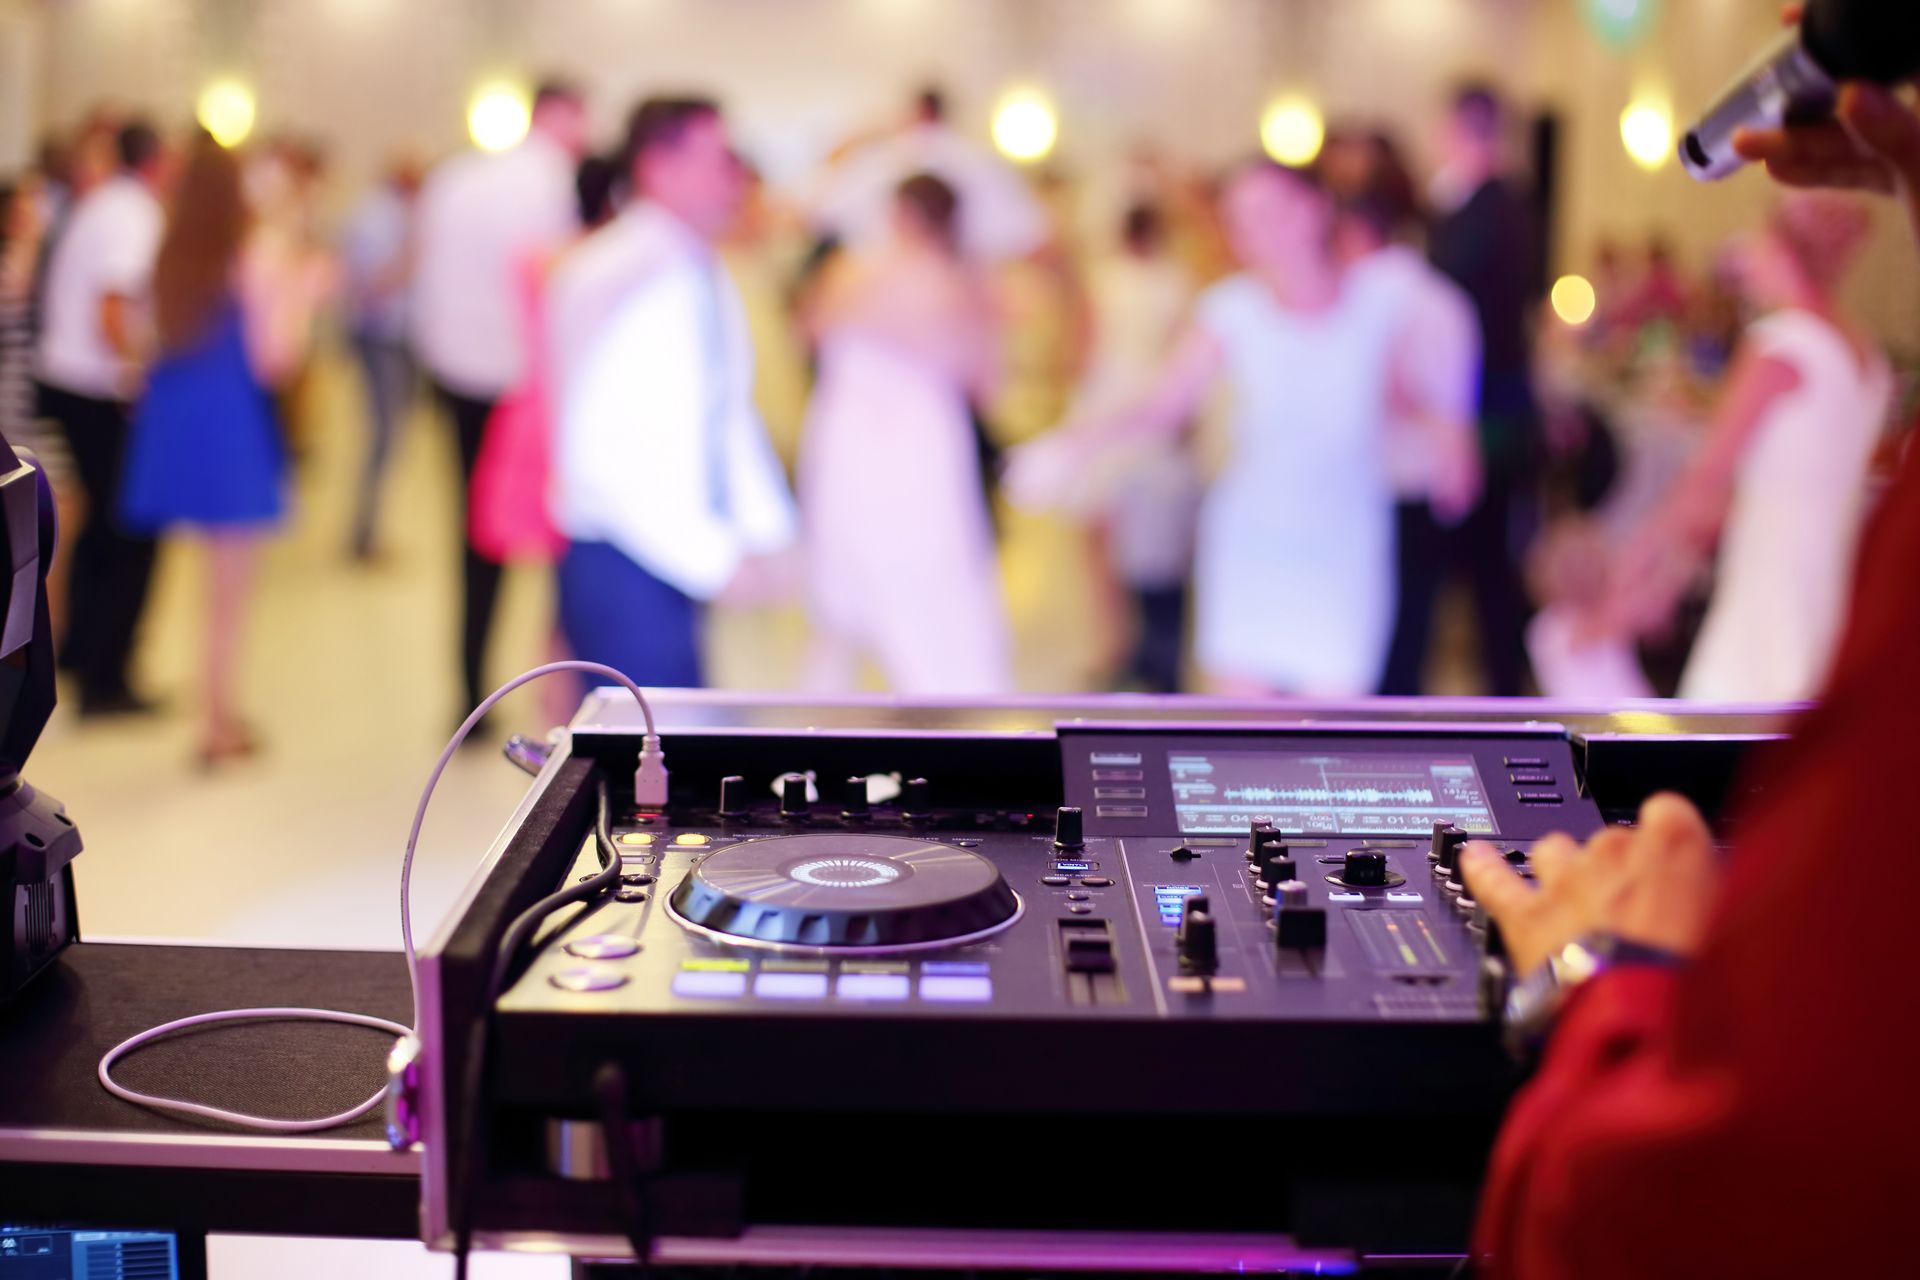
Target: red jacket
[[1757, 1113]]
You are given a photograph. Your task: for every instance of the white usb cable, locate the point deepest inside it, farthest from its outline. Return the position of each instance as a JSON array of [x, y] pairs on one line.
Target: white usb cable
[[649, 791]]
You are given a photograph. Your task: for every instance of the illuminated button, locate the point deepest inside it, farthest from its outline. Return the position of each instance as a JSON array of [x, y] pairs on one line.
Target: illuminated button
[[1525, 762], [708, 984], [1120, 811], [605, 946], [1404, 897], [1112, 758], [1540, 797], [947, 968], [1530, 779], [791, 986], [691, 840], [873, 986], [588, 978], [956, 990], [1346, 897], [715, 965], [636, 837]]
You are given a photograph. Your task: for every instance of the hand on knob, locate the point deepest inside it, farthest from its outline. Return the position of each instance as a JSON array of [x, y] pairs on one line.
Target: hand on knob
[[1653, 884]]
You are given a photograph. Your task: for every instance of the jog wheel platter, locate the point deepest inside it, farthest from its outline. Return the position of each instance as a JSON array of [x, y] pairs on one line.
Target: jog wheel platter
[[845, 893]]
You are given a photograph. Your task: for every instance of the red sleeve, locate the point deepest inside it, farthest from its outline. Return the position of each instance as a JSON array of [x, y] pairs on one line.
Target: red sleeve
[[1753, 1114]]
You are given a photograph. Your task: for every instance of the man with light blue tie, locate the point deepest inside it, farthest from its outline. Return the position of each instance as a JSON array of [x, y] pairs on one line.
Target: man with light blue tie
[[664, 481]]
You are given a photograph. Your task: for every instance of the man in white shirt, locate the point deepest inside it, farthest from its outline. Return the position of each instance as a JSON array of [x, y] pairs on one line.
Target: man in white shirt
[[92, 341], [664, 481], [485, 219]]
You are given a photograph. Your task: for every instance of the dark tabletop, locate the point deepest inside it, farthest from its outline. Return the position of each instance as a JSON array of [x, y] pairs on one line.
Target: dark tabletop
[[53, 1036]]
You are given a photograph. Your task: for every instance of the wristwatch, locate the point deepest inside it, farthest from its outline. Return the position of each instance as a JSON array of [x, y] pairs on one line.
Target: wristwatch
[[1535, 1000]]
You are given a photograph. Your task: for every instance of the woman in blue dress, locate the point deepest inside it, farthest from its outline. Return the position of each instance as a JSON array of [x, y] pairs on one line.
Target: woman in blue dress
[[205, 453]]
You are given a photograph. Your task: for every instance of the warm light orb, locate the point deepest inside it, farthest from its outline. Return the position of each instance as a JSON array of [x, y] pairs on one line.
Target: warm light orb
[[1292, 131], [1574, 300], [498, 117], [1025, 127], [226, 110], [1647, 130]]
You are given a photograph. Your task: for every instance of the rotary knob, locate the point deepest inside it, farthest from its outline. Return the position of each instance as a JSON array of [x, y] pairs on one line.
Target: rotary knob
[[733, 796], [1447, 844], [1261, 828], [856, 807], [916, 800], [1277, 865], [793, 795], [1364, 869]]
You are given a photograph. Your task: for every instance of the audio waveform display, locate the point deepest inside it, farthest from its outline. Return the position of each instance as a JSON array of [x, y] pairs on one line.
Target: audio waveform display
[[1329, 795], [1221, 792]]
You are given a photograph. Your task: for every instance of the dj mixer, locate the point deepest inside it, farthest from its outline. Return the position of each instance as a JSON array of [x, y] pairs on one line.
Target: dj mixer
[[1220, 981]]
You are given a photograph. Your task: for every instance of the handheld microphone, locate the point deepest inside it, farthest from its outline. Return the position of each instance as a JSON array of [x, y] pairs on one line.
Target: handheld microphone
[[1797, 81]]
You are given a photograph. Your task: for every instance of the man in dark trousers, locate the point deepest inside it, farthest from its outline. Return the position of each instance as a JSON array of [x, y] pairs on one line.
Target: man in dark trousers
[[93, 338], [1483, 239]]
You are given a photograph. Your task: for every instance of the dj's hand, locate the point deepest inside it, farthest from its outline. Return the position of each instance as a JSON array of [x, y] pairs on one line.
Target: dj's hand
[[1872, 144], [1652, 884]]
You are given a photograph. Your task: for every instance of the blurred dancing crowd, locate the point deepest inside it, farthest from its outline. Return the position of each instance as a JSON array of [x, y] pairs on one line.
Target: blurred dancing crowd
[[1287, 410]]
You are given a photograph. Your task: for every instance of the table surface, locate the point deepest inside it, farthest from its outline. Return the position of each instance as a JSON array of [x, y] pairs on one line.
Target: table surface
[[53, 1108]]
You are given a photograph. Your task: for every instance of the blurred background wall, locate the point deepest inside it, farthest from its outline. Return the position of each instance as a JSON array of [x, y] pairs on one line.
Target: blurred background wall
[[1191, 76]]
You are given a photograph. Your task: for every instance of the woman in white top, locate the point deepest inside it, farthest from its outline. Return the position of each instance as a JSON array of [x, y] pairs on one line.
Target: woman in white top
[[1779, 481], [1294, 566], [900, 557]]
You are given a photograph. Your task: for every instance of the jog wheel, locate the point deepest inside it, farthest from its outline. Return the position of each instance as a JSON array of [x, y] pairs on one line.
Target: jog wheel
[[845, 893]]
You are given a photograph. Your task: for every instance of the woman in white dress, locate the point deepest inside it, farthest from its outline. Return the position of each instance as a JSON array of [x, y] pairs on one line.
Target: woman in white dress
[[1780, 481], [901, 565], [1294, 564]]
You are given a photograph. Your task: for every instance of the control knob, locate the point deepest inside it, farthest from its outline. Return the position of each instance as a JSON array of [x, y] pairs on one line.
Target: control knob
[[793, 795], [1364, 869], [857, 808], [1277, 865], [733, 796], [1448, 841], [916, 800], [1262, 827], [1069, 828]]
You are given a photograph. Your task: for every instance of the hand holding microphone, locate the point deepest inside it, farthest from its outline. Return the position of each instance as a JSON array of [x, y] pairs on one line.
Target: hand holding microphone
[[1821, 107]]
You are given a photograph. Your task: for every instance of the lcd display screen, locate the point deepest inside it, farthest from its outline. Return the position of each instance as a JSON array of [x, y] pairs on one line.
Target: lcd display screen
[[1224, 792]]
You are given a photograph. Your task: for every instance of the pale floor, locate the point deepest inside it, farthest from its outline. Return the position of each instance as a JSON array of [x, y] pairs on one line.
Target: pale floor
[[350, 680]]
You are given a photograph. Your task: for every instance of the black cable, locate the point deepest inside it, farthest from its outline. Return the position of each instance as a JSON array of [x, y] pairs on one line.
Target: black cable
[[623, 1165], [505, 956]]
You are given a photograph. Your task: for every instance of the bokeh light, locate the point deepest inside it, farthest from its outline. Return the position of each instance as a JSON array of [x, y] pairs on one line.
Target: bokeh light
[[1574, 300], [498, 117], [1292, 131], [1025, 126], [226, 110], [1646, 127]]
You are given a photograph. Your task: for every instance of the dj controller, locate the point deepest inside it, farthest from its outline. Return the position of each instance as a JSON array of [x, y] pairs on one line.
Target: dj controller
[[1219, 984]]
